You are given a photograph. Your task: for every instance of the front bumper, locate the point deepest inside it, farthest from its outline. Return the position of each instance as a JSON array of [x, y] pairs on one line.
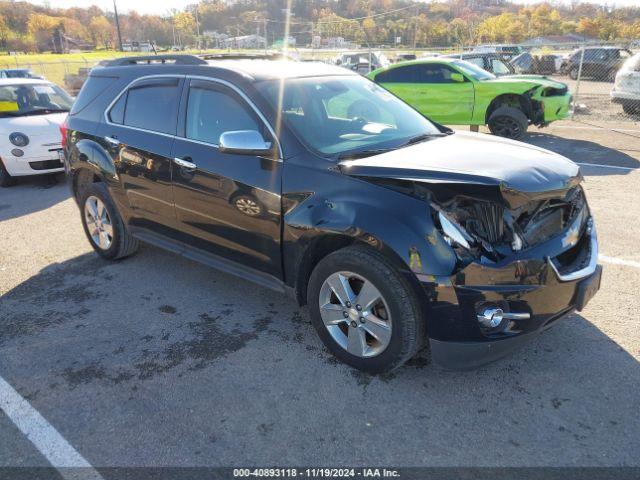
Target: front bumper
[[539, 288], [557, 107], [624, 97], [42, 161]]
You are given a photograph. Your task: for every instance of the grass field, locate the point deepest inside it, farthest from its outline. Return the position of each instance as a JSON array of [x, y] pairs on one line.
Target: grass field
[[54, 67]]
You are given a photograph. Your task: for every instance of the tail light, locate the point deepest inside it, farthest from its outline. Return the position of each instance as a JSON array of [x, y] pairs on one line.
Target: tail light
[[63, 132]]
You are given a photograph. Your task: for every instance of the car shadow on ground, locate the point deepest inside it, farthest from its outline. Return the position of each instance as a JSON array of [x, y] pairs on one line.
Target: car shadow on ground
[[20, 199], [583, 151], [157, 351]]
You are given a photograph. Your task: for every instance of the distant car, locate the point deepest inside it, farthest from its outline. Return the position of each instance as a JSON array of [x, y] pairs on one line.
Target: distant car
[[362, 62], [491, 62], [456, 92], [626, 89], [506, 51], [403, 57], [18, 73], [31, 112], [535, 64], [600, 63]]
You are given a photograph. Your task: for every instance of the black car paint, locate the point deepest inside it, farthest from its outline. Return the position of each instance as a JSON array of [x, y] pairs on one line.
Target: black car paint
[[321, 207]]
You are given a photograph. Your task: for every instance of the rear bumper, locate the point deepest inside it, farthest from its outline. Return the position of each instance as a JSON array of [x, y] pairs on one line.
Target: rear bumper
[[540, 290]]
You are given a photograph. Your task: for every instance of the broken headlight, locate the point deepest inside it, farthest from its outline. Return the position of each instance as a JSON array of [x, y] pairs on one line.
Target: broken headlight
[[454, 233]]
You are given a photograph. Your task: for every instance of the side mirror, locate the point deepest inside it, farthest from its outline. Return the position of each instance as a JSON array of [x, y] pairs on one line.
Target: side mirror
[[457, 77], [244, 142]]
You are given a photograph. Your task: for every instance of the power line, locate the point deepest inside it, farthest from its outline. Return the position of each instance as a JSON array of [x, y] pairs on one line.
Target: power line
[[345, 20]]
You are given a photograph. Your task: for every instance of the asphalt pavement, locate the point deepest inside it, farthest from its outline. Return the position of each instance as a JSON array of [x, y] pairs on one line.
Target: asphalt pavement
[[159, 361]]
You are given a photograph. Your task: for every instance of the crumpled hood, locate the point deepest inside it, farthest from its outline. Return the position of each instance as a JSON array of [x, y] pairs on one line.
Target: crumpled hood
[[463, 157], [33, 125], [533, 79]]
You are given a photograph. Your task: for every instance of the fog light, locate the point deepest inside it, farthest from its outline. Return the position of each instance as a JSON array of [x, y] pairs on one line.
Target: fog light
[[16, 152]]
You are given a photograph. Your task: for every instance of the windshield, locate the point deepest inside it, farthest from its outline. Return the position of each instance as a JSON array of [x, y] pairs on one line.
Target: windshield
[[338, 115], [473, 71], [32, 99]]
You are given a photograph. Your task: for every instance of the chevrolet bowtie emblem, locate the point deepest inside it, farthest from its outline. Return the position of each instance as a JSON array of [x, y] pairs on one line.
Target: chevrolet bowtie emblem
[[571, 238]]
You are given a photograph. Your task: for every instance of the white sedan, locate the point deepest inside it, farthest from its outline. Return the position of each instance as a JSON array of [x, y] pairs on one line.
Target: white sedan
[[626, 89], [31, 112]]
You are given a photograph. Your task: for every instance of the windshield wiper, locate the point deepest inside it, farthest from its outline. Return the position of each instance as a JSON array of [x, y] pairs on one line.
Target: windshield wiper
[[421, 138], [363, 153]]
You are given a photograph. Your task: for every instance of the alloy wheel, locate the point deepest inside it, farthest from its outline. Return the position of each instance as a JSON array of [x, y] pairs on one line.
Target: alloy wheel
[[98, 222], [355, 314], [248, 206], [506, 127]]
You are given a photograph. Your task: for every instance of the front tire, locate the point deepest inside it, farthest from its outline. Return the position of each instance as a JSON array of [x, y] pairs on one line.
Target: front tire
[[364, 310], [631, 108], [6, 180], [508, 122], [102, 224], [573, 73]]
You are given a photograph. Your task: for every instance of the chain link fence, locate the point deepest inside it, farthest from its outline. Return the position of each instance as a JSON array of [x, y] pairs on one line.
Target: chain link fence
[[68, 74]]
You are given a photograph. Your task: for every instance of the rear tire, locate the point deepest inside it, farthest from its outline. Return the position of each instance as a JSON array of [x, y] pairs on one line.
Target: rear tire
[[6, 180], [388, 328], [508, 122], [103, 225]]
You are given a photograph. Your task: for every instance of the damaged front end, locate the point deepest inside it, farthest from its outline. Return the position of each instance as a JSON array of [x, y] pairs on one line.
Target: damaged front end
[[524, 259]]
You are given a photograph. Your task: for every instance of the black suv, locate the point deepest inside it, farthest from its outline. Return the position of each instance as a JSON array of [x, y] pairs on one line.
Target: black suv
[[309, 179], [600, 63]]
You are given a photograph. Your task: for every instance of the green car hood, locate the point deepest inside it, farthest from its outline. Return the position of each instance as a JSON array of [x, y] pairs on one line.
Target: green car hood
[[526, 80]]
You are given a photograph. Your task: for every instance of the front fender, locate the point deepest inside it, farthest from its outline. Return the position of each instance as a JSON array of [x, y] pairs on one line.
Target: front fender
[[397, 225]]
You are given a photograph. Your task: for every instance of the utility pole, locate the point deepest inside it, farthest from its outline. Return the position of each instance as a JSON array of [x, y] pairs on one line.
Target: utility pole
[[415, 30], [266, 38], [115, 11], [197, 29]]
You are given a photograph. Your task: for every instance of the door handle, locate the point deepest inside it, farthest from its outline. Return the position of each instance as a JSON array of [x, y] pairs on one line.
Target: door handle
[[185, 163], [113, 140]]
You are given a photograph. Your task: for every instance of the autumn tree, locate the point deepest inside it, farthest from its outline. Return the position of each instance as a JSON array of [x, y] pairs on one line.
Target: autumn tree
[[101, 31]]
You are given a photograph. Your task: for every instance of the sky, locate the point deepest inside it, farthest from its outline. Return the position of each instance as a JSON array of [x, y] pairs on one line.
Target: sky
[[163, 6]]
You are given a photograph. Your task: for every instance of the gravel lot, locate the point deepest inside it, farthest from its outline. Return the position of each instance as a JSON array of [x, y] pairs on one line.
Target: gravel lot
[[156, 360]]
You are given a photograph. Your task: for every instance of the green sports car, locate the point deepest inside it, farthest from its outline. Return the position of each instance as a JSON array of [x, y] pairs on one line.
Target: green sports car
[[455, 92]]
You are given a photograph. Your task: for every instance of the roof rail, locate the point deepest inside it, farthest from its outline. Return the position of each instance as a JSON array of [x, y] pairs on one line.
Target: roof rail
[[149, 59], [245, 56]]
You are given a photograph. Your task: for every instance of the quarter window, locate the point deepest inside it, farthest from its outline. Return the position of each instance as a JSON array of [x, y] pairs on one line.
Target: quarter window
[[116, 115], [211, 112]]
